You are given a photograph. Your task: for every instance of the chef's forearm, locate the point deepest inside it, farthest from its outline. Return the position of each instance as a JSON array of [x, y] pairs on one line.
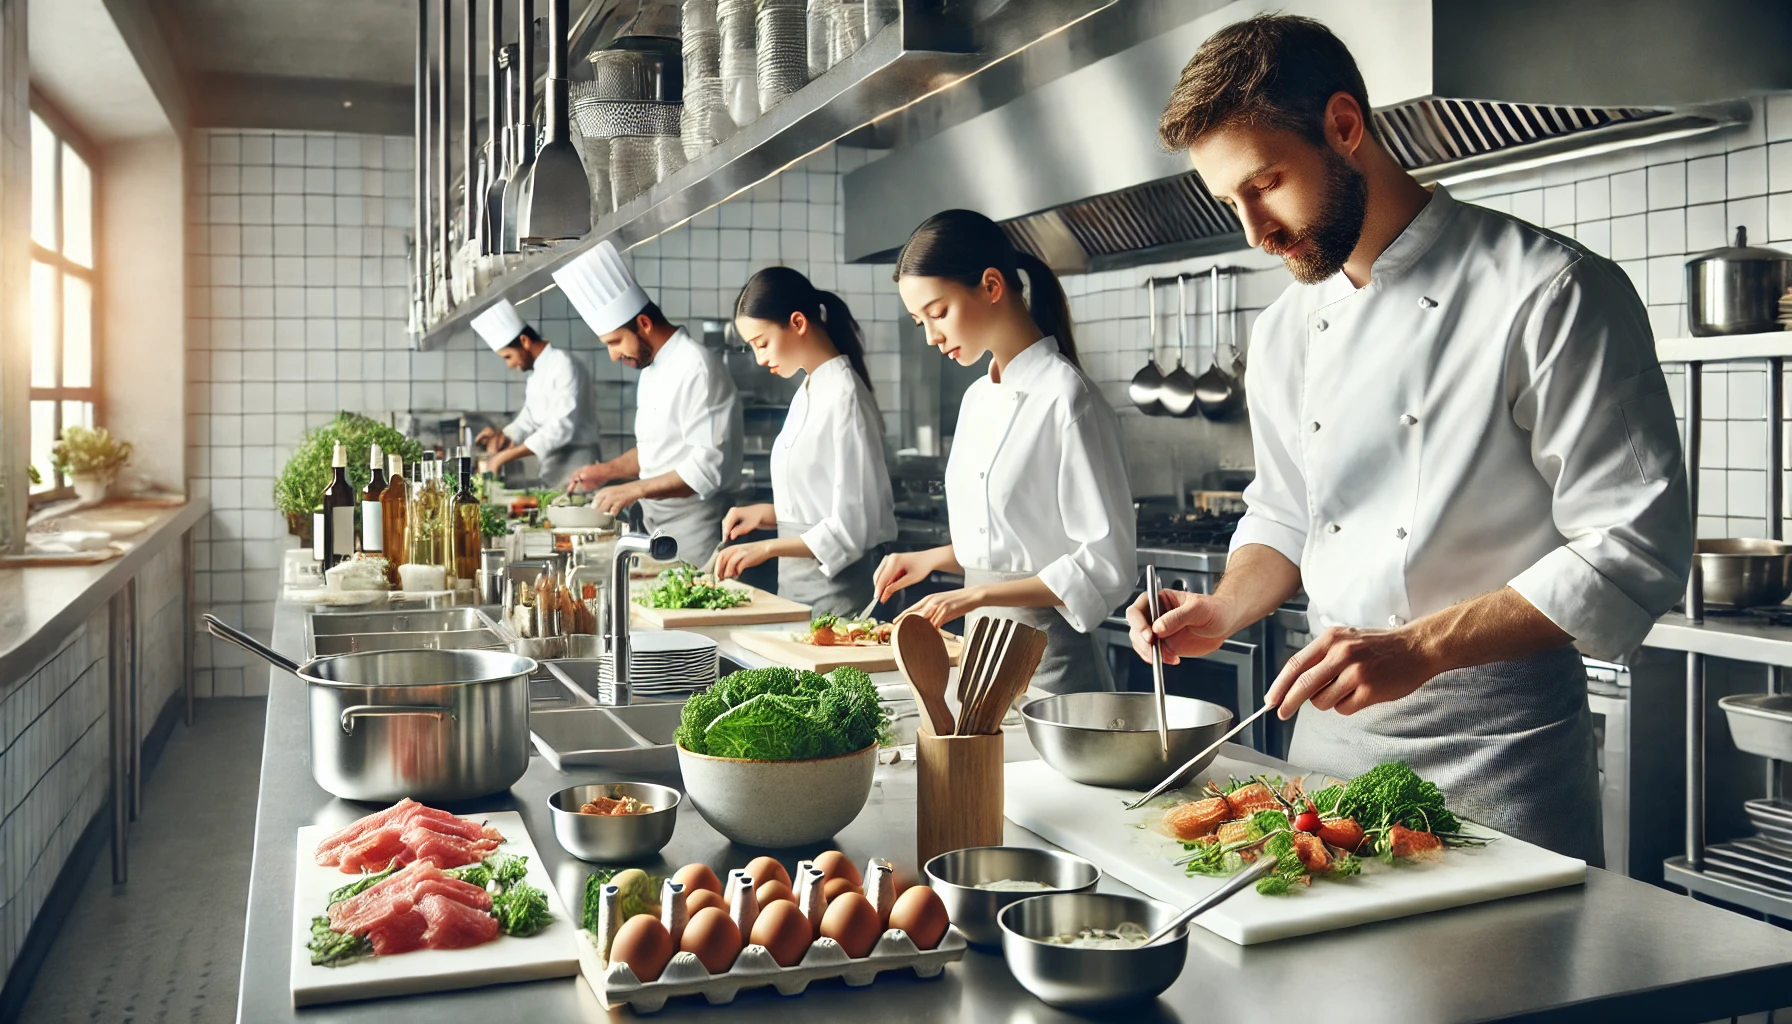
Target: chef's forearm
[[1258, 580], [666, 485], [945, 559], [1028, 593], [787, 547], [1493, 627]]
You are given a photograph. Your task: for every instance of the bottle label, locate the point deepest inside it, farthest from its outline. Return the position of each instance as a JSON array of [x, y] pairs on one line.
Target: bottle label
[[342, 539], [371, 539], [317, 536]]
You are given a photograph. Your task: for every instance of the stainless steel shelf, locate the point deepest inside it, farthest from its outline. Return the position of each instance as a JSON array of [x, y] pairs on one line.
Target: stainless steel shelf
[[1727, 888], [1722, 637], [922, 54], [1725, 348]]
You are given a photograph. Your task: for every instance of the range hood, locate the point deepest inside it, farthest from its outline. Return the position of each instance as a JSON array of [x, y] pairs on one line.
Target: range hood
[[1071, 166]]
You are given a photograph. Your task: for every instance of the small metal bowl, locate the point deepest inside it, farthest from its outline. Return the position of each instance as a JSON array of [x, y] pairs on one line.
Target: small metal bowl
[[598, 837], [1110, 739], [955, 876], [1742, 573], [1090, 979]]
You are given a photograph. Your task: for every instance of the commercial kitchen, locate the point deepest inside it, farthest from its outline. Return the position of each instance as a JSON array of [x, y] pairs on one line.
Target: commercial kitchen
[[794, 509]]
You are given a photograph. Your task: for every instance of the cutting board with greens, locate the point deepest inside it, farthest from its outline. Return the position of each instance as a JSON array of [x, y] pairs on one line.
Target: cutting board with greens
[[680, 597], [828, 642], [1387, 848], [411, 899]]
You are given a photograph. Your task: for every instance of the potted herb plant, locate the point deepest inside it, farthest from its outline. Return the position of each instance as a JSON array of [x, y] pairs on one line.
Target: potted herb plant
[[299, 489], [91, 458]]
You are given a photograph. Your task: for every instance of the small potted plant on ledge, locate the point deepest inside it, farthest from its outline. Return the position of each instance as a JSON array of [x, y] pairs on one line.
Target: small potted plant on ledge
[[91, 458]]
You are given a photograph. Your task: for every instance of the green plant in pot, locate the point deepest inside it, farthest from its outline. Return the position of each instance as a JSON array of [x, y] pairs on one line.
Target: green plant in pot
[[90, 457], [299, 489]]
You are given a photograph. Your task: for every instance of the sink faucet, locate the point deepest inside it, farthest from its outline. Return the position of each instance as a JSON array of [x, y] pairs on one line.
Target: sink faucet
[[636, 541]]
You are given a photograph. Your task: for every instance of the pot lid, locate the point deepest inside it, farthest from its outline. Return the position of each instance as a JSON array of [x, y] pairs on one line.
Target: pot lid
[[1740, 251]]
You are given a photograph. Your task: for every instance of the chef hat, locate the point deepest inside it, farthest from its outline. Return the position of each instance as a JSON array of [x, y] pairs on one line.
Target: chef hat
[[601, 288], [499, 325]]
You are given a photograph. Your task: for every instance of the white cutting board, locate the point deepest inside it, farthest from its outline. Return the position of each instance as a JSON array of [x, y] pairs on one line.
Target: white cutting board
[[1094, 823], [552, 952]]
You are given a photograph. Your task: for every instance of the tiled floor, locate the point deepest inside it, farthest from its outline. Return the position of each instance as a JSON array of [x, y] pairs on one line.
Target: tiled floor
[[168, 945]]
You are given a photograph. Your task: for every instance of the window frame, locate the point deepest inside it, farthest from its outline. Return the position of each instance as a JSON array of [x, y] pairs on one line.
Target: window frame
[[68, 135]]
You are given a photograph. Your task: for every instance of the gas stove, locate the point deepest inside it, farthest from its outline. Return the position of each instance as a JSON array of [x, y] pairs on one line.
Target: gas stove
[[1189, 549]]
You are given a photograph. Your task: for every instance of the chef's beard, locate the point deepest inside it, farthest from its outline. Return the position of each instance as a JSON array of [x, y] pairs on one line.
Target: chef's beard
[[1333, 236]]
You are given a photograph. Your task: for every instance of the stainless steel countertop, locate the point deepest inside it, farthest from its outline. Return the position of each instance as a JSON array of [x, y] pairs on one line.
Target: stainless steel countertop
[[1612, 947]]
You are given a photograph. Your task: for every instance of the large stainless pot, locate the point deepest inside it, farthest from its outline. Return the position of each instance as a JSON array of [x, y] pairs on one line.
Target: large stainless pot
[[1741, 573], [433, 725], [1737, 289]]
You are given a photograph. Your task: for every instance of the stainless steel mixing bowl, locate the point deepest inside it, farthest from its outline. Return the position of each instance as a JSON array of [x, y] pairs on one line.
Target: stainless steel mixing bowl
[[955, 876], [600, 837], [1740, 573], [1110, 739], [1090, 979]]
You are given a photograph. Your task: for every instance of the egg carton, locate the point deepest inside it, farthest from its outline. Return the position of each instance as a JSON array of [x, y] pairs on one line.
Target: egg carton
[[616, 984]]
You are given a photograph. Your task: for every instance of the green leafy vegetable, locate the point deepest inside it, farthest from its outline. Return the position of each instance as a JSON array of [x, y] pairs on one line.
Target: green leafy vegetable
[[1325, 801], [784, 714], [494, 520], [472, 874], [1289, 869], [521, 910], [1393, 793], [1269, 821], [359, 885], [682, 586], [821, 622], [333, 949], [594, 887]]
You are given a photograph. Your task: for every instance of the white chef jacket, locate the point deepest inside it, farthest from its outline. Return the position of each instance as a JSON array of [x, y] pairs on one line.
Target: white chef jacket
[[688, 417], [828, 468], [1487, 411], [558, 406], [1036, 482]]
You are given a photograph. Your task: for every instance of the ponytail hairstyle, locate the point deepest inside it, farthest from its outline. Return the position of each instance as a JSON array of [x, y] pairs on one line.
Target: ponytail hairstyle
[[959, 245], [777, 293]]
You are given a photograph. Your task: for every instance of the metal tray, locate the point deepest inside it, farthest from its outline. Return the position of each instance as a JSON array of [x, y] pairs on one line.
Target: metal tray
[[1761, 723], [635, 738]]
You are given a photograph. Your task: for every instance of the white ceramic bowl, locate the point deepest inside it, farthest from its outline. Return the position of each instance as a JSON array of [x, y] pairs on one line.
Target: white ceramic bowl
[[778, 803], [579, 517]]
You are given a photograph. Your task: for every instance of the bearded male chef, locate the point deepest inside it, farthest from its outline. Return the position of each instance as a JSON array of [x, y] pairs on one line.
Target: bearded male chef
[[688, 432], [558, 424], [1465, 452]]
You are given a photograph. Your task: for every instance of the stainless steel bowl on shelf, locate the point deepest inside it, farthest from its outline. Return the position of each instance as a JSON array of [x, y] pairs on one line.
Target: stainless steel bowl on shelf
[[1084, 980], [1110, 739], [957, 875], [1744, 573], [602, 837], [1760, 723]]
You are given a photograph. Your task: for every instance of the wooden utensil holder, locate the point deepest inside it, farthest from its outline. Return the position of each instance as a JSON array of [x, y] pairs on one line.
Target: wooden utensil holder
[[958, 792]]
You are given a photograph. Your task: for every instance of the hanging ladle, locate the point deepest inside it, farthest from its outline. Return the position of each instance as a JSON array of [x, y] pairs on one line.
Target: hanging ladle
[[1177, 393], [1218, 393], [1144, 389]]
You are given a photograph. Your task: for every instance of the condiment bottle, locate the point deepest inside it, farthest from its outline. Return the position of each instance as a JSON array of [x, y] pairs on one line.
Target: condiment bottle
[[674, 913], [394, 503]]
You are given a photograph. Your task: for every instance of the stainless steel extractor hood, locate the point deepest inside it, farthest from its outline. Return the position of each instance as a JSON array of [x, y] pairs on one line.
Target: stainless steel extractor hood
[[1069, 161]]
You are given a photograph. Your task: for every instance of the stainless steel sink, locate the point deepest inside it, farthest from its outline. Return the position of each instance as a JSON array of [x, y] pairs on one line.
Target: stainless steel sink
[[442, 640], [429, 620]]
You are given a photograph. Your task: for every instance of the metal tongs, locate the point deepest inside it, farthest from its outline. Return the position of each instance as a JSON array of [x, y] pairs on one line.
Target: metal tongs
[[1154, 602], [1175, 776]]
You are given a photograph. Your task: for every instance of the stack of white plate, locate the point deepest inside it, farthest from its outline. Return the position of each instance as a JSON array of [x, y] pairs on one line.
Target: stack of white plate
[[665, 663]]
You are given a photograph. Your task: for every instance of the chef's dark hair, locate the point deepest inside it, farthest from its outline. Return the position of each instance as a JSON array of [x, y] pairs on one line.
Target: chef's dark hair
[[777, 293], [528, 332], [959, 245]]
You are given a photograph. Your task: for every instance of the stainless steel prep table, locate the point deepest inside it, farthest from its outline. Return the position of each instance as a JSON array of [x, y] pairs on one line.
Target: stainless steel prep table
[[1614, 947]]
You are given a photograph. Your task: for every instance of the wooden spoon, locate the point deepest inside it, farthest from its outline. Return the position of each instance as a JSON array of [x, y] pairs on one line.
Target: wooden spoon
[[921, 655]]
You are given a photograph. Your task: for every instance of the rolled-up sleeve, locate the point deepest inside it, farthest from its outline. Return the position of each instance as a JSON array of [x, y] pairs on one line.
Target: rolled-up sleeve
[[1095, 497], [1603, 436], [553, 405], [1276, 499], [706, 407]]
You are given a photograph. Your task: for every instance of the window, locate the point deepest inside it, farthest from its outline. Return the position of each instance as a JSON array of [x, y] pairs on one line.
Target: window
[[64, 359]]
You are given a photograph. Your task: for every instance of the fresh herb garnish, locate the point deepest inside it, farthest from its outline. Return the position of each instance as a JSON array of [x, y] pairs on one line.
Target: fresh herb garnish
[[360, 885], [682, 586], [521, 910], [333, 949]]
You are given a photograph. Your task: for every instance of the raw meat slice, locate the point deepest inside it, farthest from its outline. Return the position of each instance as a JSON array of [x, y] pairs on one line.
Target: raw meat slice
[[329, 851], [362, 910], [375, 850], [368, 844], [454, 925], [460, 828], [402, 933], [447, 851], [460, 892], [362, 918]]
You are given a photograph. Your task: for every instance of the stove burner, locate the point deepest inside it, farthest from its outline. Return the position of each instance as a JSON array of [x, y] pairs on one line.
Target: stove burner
[[1187, 530]]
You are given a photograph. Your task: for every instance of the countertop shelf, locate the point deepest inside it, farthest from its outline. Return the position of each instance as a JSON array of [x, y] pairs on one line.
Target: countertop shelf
[[1733, 637], [1718, 886], [1725, 348]]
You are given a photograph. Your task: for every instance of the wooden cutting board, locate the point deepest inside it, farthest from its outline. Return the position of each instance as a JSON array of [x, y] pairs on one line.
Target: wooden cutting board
[[1094, 823], [778, 646], [550, 953], [763, 607]]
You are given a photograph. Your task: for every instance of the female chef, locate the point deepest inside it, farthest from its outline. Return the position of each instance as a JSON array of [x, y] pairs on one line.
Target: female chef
[[831, 500], [1037, 498]]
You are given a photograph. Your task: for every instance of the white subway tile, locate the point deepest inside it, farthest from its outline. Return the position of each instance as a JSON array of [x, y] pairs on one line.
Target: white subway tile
[[1667, 232], [1667, 185], [1630, 193]]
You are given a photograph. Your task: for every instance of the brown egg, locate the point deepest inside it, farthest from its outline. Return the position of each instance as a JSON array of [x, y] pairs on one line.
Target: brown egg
[[783, 930], [834, 888], [712, 937], [771, 891], [644, 945], [698, 899], [852, 923], [834, 864], [921, 913], [698, 876], [764, 869]]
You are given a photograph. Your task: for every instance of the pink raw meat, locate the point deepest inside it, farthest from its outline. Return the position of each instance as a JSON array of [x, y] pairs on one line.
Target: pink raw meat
[[448, 851], [454, 925], [460, 892], [361, 911], [329, 851], [401, 933], [460, 828], [375, 851], [397, 835]]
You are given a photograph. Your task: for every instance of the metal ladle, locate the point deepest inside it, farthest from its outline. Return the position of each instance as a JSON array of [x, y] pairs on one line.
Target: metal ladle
[[1218, 393], [556, 203], [1146, 384], [1178, 391]]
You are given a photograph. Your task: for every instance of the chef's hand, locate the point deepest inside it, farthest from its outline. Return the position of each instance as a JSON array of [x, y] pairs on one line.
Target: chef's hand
[[588, 478], [900, 571], [744, 519], [1191, 625], [741, 557], [614, 499], [947, 605], [491, 439], [1348, 669]]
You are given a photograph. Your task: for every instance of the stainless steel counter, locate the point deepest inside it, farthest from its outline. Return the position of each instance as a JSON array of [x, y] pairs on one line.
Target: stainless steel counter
[[1613, 947]]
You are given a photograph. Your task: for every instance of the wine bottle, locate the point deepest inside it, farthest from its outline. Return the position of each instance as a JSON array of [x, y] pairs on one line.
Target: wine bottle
[[394, 502], [469, 536], [372, 520], [339, 511]]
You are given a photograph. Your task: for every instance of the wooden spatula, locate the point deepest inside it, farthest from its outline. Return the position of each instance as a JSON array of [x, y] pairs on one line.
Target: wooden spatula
[[1009, 676], [971, 658], [971, 714], [921, 655]]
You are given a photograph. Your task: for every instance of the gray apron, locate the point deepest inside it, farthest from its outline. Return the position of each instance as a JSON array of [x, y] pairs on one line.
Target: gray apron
[[558, 466], [1510, 744], [801, 579], [1071, 664], [696, 523]]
